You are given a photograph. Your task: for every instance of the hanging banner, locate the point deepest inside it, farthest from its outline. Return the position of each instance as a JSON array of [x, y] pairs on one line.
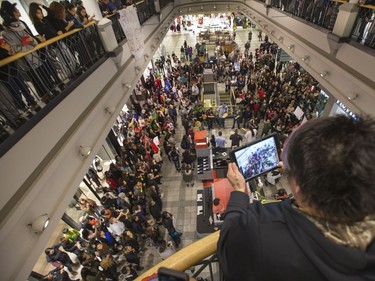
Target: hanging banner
[[132, 29]]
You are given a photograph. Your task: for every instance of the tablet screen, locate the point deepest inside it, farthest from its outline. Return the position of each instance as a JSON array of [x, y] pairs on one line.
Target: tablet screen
[[258, 157]]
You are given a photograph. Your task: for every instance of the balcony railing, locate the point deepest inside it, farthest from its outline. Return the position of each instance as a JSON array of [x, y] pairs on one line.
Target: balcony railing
[[322, 13], [192, 255], [117, 29], [30, 80], [164, 3], [145, 10], [364, 28]]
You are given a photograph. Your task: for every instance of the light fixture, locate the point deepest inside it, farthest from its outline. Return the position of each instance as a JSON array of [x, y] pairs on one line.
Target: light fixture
[[152, 47], [291, 47], [228, 6], [137, 68], [180, 11], [40, 223], [189, 9], [146, 56], [324, 74], [265, 26], [281, 39], [237, 8], [353, 97], [214, 6], [272, 32], [127, 85], [85, 151], [157, 39], [305, 58], [201, 7], [110, 109]]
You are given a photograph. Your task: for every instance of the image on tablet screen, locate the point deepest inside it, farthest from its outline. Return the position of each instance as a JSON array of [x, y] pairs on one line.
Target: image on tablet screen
[[258, 158]]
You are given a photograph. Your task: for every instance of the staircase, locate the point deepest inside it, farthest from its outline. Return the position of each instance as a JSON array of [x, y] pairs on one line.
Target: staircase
[[224, 97]]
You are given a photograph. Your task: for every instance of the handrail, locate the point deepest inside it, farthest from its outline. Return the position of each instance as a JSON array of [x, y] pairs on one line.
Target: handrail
[[371, 7], [42, 45], [187, 256], [340, 1]]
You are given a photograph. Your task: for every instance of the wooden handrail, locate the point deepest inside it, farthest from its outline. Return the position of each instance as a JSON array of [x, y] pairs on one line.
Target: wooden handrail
[[187, 256], [42, 45], [371, 7]]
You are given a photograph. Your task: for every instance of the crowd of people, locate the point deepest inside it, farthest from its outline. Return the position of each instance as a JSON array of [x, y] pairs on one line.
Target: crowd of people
[[130, 215]]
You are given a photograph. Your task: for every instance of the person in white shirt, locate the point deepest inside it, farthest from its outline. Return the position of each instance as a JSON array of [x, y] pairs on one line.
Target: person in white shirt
[[251, 135], [116, 227]]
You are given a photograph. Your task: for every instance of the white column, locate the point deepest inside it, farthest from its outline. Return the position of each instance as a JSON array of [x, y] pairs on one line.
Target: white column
[[92, 8], [107, 35], [346, 19], [157, 6]]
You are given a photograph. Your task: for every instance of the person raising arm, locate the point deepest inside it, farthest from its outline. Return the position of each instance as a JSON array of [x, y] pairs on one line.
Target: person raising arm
[[326, 232]]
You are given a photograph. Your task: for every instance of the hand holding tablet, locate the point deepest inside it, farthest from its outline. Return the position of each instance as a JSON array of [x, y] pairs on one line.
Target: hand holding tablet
[[257, 158]]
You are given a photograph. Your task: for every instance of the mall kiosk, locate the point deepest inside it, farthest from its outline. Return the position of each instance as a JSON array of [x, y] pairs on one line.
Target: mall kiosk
[[204, 156], [212, 168]]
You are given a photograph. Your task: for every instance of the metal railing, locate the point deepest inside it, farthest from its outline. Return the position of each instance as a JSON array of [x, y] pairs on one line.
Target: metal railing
[[145, 10], [197, 253], [364, 27], [117, 29], [30, 80], [322, 13], [164, 3]]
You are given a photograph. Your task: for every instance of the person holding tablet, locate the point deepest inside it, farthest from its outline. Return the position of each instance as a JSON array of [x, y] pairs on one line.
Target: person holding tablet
[[326, 232]]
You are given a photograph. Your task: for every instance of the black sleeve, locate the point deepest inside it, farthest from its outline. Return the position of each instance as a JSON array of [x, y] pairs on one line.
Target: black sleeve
[[239, 245]]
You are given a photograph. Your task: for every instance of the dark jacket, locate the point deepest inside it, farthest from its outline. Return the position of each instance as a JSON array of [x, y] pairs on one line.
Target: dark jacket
[[276, 242], [46, 29]]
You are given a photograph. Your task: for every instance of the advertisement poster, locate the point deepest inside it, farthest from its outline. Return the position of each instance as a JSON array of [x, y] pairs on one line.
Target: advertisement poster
[[132, 29]]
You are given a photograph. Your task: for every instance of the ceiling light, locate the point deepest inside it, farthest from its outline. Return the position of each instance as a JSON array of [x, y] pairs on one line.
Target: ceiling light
[[353, 97], [291, 47], [324, 74], [85, 151], [305, 58], [281, 39], [137, 68], [110, 109], [127, 85], [39, 224]]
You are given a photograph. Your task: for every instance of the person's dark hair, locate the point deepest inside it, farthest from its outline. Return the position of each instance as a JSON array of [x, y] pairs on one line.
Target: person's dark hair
[[79, 10], [332, 161], [216, 201], [220, 133], [69, 6], [57, 10], [33, 8]]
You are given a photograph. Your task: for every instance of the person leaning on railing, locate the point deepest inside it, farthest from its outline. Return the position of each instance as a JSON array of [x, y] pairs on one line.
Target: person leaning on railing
[[20, 38], [327, 231], [13, 81]]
